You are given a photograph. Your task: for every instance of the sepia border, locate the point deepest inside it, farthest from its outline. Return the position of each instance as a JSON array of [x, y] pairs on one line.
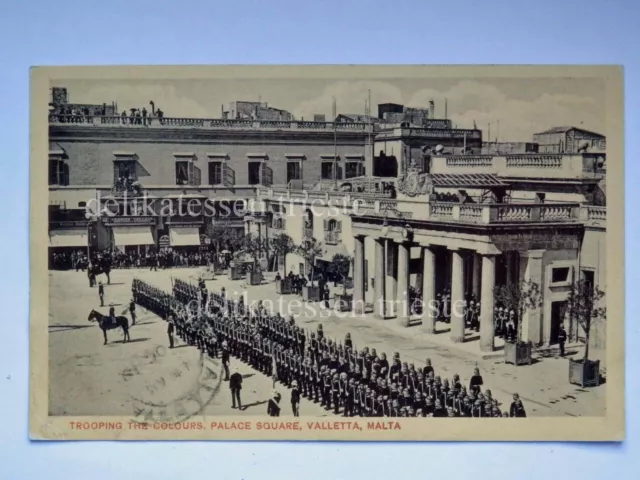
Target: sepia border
[[610, 427]]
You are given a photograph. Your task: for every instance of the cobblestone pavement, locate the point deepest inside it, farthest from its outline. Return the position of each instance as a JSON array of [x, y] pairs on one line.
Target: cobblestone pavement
[[86, 377]]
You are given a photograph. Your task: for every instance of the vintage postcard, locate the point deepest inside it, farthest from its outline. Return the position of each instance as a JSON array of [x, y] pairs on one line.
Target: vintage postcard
[[327, 253]]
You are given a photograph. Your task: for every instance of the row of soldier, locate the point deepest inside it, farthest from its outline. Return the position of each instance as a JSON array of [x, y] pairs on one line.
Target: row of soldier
[[337, 375]]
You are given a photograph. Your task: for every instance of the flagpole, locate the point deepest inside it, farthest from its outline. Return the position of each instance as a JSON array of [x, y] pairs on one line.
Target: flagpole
[[335, 145]]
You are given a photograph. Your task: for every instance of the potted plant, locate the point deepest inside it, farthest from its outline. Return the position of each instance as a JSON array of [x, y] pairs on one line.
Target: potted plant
[[584, 306], [340, 266], [310, 250], [282, 245], [253, 247], [519, 297]]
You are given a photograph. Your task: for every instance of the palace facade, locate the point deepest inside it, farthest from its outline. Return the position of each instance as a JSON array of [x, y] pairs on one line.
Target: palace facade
[[417, 206]]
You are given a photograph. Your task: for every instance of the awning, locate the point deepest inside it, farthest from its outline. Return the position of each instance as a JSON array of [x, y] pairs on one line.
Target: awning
[[186, 236], [331, 250], [124, 236], [69, 238], [470, 180]]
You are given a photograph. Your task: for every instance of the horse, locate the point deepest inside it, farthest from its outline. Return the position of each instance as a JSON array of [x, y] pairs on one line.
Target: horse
[[106, 323]]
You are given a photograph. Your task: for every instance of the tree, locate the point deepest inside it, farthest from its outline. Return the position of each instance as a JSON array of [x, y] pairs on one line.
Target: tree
[[282, 245], [253, 245], [340, 265], [584, 306], [519, 297], [310, 250]]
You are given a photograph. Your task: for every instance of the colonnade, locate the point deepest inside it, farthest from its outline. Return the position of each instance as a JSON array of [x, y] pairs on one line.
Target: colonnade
[[391, 286]]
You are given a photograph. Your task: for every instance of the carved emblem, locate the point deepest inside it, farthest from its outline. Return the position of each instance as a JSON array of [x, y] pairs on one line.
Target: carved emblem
[[414, 184]]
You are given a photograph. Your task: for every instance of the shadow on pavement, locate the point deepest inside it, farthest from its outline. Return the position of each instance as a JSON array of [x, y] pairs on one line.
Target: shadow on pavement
[[64, 328], [255, 404], [133, 340]]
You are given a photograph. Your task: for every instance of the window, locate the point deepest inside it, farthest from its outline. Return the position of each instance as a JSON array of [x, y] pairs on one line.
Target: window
[[58, 172], [294, 171], [327, 171], [182, 172], [354, 169], [589, 277], [125, 169], [215, 173], [254, 173], [187, 173], [560, 275]]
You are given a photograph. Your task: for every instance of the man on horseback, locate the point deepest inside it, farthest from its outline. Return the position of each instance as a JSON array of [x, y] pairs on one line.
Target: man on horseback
[[112, 313]]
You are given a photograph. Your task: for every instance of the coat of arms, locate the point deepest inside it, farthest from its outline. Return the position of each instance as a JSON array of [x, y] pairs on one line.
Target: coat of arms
[[415, 183]]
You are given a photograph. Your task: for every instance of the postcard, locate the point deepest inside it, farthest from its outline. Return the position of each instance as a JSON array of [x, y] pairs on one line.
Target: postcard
[[378, 253]]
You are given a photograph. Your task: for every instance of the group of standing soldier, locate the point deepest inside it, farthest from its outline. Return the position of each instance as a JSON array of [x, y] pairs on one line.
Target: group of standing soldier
[[334, 374]]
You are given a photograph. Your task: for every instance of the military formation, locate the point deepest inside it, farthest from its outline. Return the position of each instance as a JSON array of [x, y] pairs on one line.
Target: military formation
[[342, 378]]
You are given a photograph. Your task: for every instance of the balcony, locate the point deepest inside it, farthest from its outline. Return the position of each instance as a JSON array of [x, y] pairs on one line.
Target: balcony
[[202, 123], [525, 165], [475, 213], [331, 237]]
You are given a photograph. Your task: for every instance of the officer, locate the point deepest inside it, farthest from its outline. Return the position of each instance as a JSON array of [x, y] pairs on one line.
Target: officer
[[225, 360]]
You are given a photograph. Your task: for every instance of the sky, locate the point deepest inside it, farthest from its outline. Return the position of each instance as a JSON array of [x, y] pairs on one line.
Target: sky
[[515, 108]]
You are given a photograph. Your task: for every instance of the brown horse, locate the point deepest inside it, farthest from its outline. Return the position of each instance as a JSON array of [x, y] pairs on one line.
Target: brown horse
[[106, 323]]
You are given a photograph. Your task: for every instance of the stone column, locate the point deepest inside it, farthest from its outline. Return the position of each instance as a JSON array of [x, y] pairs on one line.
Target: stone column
[[358, 275], [457, 297], [531, 266], [477, 275], [391, 279], [428, 290], [486, 303], [379, 289], [403, 309]]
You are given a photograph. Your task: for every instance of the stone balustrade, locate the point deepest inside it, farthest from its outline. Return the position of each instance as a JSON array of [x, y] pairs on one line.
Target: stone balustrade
[[534, 161], [525, 165], [202, 123], [470, 161], [478, 213]]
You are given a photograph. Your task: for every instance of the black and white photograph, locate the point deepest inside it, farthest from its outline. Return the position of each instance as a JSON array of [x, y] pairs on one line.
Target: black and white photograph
[[357, 251]]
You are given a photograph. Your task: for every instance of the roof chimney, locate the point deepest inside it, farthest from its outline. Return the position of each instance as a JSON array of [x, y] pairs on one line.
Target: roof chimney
[[432, 109]]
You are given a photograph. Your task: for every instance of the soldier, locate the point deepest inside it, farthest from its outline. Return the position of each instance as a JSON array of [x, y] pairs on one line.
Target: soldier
[[170, 329], [101, 293], [476, 381], [517, 409], [295, 399], [562, 338]]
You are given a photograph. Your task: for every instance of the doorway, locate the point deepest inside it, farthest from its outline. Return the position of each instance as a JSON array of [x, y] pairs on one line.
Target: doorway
[[558, 311]]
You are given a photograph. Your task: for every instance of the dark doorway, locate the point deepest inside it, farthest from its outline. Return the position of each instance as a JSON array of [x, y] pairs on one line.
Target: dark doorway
[[558, 310], [385, 166]]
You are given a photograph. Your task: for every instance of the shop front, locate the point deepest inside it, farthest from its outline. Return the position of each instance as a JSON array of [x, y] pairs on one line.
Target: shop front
[[68, 243], [132, 235]]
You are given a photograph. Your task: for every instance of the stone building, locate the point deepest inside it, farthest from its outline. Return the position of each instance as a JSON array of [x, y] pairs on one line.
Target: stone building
[[569, 140]]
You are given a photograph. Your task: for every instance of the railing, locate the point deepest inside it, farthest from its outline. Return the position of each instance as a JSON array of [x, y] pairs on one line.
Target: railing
[[444, 210], [204, 123], [596, 213], [471, 213], [470, 161], [331, 237], [534, 161], [514, 213]]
